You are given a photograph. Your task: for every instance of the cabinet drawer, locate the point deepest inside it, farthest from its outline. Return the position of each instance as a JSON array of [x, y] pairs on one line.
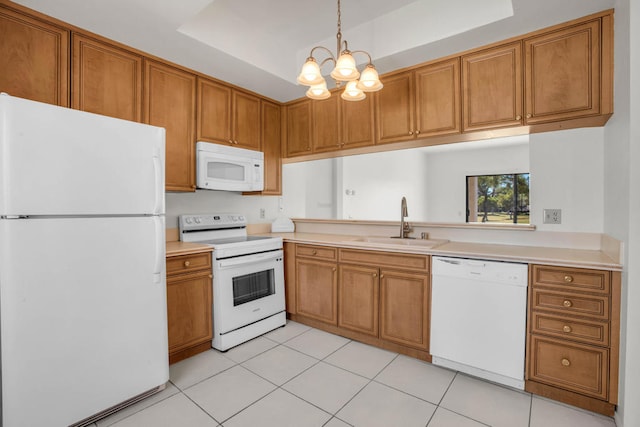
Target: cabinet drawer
[[187, 263], [575, 367], [570, 303], [577, 279], [322, 252], [386, 259], [581, 330]]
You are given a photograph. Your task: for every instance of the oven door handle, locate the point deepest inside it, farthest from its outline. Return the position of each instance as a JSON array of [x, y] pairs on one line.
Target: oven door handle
[[249, 259]]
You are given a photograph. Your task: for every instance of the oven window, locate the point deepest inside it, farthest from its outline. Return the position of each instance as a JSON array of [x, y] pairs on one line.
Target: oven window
[[253, 286], [227, 171]]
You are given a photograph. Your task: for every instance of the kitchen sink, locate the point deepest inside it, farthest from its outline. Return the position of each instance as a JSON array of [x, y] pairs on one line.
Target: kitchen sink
[[372, 241]]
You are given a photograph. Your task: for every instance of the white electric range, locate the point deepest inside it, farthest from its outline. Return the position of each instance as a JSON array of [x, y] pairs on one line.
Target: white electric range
[[248, 277]]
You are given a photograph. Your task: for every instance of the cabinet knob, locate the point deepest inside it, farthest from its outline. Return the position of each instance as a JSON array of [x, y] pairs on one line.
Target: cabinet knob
[[567, 303], [418, 132], [375, 275], [566, 328], [568, 278], [529, 116], [334, 269], [565, 362], [231, 141], [314, 252], [382, 276], [187, 263], [410, 132], [518, 117], [211, 276]]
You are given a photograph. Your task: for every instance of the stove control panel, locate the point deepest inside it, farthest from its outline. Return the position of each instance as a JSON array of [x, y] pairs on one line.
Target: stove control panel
[[211, 221]]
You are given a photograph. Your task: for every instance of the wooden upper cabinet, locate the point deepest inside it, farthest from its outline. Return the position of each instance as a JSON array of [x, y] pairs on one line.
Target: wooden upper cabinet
[[272, 147], [395, 109], [562, 74], [438, 98], [299, 131], [227, 116], [246, 120], [492, 88], [357, 118], [106, 80], [326, 124], [214, 112], [34, 58], [170, 102]]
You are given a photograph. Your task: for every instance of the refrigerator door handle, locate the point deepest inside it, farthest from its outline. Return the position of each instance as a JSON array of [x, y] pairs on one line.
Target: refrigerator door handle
[[159, 252], [157, 169]]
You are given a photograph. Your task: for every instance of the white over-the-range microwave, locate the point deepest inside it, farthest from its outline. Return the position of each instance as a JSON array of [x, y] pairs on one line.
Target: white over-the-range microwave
[[220, 167]]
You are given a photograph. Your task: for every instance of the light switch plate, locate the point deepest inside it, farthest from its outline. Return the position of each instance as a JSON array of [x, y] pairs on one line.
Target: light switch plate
[[552, 216]]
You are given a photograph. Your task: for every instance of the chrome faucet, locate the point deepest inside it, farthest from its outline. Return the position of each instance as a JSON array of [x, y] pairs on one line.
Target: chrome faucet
[[404, 226]]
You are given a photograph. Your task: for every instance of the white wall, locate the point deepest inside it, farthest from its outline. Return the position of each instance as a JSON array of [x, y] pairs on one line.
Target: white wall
[[380, 181], [309, 189], [209, 201], [446, 185], [567, 172]]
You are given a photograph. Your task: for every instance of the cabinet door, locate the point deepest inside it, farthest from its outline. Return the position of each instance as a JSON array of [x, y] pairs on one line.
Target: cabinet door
[[492, 88], [106, 80], [438, 98], [395, 109], [404, 308], [246, 120], [214, 112], [326, 124], [358, 292], [299, 132], [169, 102], [272, 148], [189, 311], [34, 59], [357, 122], [317, 290], [562, 74]]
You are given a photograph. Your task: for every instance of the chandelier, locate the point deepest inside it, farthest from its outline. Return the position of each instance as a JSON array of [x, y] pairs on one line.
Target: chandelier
[[344, 71]]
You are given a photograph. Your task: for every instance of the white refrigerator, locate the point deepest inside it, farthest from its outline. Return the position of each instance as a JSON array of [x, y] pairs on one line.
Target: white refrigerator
[[83, 323]]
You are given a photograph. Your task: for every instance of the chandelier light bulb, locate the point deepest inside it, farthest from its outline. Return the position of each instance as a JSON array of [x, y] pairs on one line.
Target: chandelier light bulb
[[352, 93], [345, 68], [369, 80], [319, 91], [310, 74]]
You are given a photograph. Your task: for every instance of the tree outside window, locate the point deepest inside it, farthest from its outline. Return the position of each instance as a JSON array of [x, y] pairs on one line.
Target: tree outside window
[[498, 198]]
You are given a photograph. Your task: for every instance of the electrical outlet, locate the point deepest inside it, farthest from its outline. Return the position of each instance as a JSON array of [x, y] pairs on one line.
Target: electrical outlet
[[261, 213], [552, 216]]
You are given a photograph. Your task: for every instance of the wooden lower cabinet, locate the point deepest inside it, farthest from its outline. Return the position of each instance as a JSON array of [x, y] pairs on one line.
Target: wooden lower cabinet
[[189, 304], [404, 308], [358, 298], [573, 337], [316, 290], [375, 297]]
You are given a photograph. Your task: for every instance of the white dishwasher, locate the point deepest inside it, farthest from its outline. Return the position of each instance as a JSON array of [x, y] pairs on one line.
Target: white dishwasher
[[478, 318]]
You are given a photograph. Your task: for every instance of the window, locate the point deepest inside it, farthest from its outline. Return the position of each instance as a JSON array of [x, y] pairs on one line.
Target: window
[[498, 198]]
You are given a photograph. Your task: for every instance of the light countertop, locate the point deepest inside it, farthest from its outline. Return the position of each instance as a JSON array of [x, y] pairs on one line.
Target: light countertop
[[500, 252], [185, 248]]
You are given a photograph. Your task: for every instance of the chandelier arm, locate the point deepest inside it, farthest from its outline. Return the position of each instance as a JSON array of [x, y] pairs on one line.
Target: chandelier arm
[[330, 59], [325, 49], [366, 53]]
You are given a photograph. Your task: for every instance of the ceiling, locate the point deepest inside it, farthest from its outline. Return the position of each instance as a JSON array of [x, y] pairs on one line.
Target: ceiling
[[261, 44]]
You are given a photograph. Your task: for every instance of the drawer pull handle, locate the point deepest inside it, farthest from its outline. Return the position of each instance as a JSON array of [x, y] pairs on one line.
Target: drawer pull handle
[[566, 362], [568, 278], [566, 328], [314, 252], [187, 263], [567, 303]]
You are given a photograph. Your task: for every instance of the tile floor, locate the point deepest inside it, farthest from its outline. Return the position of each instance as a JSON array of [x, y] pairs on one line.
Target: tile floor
[[299, 376]]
